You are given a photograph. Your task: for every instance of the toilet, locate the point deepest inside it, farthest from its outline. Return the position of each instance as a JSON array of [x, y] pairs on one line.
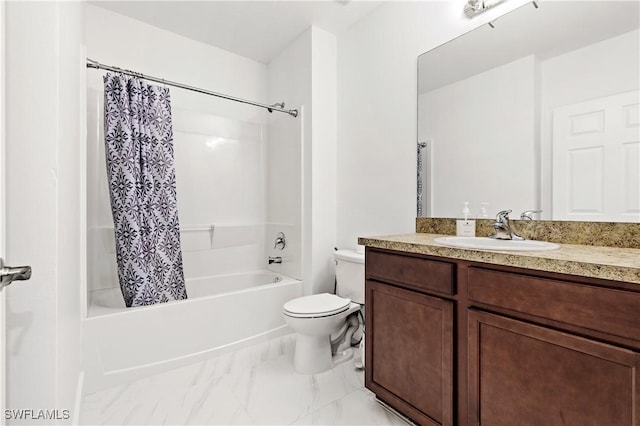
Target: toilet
[[325, 323]]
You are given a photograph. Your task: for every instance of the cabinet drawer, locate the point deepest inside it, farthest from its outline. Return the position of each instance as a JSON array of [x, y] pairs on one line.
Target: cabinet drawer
[[409, 271], [610, 311]]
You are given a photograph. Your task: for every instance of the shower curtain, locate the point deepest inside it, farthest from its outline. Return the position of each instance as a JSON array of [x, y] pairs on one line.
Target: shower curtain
[[142, 187]]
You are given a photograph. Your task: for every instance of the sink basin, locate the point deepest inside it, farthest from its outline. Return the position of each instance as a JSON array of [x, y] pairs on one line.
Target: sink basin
[[485, 243]]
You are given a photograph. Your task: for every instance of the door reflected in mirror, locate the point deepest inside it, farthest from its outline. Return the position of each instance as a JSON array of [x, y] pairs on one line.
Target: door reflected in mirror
[[540, 112]]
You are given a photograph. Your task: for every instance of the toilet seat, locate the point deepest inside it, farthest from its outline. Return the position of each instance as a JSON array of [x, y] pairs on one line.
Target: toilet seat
[[317, 305]]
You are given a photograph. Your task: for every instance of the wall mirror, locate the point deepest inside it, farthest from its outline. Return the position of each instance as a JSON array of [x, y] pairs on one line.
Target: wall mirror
[[538, 111]]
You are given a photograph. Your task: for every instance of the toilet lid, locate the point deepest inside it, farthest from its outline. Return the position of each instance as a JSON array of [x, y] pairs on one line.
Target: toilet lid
[[317, 305]]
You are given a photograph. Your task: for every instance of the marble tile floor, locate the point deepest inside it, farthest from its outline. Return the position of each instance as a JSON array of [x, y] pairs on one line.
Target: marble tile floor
[[255, 385]]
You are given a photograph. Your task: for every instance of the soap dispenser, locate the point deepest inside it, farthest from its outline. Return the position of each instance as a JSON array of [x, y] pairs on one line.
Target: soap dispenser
[[466, 227], [484, 214]]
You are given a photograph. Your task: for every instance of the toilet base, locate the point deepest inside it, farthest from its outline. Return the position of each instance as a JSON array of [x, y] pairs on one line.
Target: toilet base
[[343, 356], [313, 355], [313, 351]]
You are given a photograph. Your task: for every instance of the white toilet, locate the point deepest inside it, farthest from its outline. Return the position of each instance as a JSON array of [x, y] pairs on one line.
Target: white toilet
[[324, 322]]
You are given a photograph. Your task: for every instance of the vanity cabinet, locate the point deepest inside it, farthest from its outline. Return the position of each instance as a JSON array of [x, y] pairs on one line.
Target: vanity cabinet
[[551, 351], [409, 344], [458, 342]]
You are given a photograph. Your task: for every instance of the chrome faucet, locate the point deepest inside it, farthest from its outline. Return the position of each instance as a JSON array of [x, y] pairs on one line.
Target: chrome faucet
[[528, 214], [502, 228], [275, 259], [281, 243]]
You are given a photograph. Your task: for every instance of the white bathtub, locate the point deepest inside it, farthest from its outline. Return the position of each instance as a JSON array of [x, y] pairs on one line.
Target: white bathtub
[[222, 313]]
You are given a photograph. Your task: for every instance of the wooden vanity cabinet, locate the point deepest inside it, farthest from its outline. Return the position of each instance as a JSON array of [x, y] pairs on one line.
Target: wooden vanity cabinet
[[458, 342], [409, 336], [549, 351]]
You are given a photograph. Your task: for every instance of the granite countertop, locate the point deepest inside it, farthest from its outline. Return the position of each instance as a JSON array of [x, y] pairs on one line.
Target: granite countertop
[[611, 263]]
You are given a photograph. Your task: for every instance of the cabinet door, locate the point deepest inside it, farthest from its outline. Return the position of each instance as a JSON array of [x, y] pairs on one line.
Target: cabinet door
[[522, 374], [409, 348]]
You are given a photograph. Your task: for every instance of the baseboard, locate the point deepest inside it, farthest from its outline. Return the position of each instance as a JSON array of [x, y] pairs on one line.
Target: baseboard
[[395, 412]]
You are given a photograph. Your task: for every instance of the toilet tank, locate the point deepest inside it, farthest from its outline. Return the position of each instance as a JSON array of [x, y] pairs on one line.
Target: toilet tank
[[350, 275]]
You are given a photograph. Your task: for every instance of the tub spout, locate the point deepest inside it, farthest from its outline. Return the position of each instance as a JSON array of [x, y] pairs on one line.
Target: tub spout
[[275, 259]]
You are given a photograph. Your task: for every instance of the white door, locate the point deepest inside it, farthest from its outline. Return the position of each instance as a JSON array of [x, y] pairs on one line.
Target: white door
[[596, 160], [7, 274], [41, 207]]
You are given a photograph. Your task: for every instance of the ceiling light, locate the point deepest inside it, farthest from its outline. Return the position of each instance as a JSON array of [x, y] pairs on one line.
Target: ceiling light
[[474, 7]]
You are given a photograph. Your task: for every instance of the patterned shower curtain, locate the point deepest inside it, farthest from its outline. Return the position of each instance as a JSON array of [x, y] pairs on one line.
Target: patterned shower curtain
[[142, 186]]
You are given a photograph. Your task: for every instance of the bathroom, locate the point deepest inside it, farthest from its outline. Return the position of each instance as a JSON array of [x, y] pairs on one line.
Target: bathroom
[[347, 170]]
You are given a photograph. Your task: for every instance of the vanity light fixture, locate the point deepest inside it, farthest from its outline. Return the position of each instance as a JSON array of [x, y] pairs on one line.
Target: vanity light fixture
[[475, 7]]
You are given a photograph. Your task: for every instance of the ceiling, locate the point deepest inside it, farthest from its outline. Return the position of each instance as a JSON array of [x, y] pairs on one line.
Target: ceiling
[[259, 30]]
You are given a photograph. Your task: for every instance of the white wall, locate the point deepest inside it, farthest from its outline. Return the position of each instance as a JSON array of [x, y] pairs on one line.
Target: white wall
[[324, 152], [605, 68], [377, 104], [220, 146], [304, 75], [44, 62], [132, 44], [482, 127]]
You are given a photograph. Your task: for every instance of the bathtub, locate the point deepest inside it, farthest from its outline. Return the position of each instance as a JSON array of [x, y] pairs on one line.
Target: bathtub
[[222, 313]]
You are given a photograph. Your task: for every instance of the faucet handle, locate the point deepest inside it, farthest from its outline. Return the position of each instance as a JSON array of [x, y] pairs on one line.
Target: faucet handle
[[280, 243], [503, 215], [527, 214]]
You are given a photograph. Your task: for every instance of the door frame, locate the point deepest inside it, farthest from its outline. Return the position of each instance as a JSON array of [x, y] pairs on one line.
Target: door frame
[[3, 211]]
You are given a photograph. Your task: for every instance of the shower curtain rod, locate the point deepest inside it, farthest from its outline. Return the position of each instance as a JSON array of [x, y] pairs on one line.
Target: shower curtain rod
[[279, 107]]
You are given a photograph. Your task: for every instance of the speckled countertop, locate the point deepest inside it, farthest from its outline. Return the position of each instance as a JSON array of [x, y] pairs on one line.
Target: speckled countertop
[[611, 263]]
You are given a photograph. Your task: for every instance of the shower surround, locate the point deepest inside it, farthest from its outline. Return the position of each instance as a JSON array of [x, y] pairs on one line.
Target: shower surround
[[235, 191], [222, 174]]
